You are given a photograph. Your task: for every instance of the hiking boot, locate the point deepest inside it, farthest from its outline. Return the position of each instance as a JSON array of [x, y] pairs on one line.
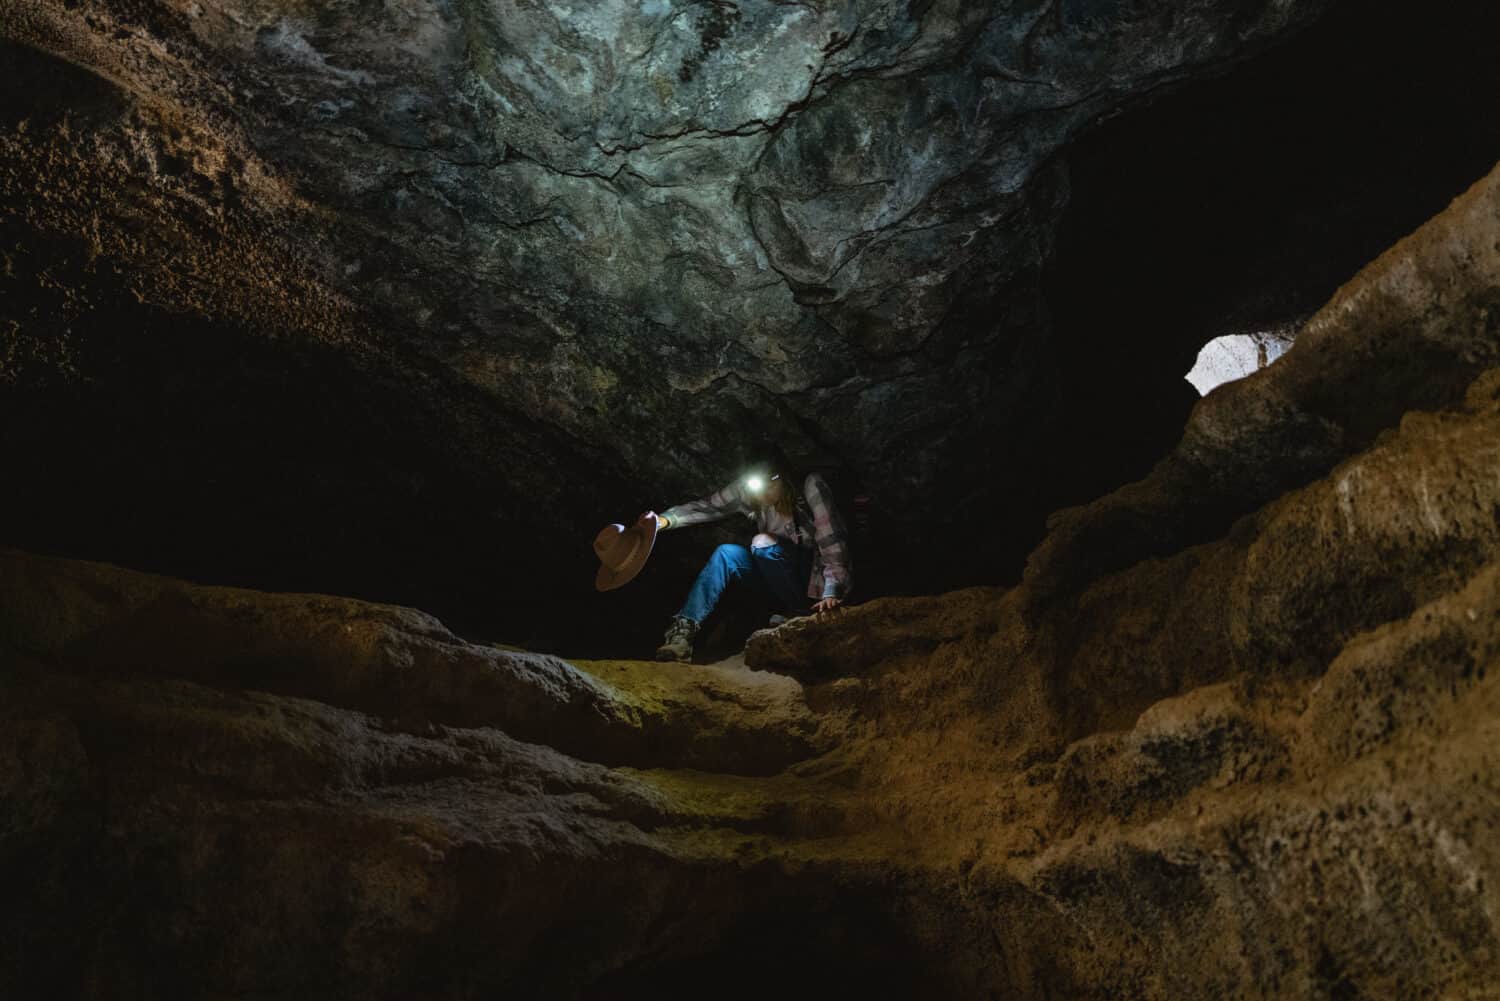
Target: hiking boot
[[678, 644]]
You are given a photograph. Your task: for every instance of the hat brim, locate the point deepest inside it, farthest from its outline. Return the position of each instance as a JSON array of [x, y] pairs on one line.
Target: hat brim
[[608, 578]]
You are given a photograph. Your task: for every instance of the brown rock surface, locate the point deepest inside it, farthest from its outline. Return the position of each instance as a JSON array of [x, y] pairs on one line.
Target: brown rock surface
[[1261, 766]]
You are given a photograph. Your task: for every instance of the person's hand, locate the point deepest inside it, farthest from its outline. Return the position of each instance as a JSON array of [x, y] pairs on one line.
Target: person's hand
[[646, 518], [826, 605]]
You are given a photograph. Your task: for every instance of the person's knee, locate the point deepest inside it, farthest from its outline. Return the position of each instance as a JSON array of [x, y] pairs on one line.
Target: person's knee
[[733, 561], [732, 556]]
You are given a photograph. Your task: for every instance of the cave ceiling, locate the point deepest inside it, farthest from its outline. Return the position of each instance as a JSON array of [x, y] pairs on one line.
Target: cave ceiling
[[456, 282]]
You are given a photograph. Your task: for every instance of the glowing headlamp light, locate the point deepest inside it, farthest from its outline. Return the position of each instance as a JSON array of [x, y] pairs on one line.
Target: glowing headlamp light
[[756, 483]]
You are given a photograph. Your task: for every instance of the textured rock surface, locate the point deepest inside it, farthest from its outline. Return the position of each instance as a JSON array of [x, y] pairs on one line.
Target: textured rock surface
[[1417, 325], [1259, 762]]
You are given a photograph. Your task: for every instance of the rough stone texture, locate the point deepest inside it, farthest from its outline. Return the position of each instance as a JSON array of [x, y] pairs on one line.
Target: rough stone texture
[[512, 245], [1413, 329], [400, 663], [1258, 766]]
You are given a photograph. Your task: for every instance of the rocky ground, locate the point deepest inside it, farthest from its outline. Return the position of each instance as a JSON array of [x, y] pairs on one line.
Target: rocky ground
[[1234, 736]]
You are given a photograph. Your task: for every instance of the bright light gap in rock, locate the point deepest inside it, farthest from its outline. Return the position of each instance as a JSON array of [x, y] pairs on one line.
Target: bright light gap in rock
[[1234, 356]]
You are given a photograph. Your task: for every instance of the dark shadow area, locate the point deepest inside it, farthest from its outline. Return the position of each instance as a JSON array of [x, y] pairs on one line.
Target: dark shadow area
[[198, 451], [801, 947], [1240, 204]]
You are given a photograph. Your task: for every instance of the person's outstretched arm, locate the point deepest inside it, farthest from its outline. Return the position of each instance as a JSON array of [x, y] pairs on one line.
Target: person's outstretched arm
[[715, 507], [832, 539]]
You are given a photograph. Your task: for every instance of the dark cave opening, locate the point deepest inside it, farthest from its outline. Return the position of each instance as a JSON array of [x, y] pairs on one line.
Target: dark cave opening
[[1240, 204]]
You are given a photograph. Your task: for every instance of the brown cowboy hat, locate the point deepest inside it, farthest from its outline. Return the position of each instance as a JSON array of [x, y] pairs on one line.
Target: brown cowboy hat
[[622, 552]]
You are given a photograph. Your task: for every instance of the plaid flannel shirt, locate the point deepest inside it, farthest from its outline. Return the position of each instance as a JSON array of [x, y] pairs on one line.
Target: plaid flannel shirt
[[816, 525]]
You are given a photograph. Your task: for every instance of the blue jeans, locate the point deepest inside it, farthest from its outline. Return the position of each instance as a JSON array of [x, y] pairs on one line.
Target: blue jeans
[[778, 572]]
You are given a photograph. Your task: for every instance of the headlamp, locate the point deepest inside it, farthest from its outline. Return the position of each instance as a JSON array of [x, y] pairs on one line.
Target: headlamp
[[756, 483]]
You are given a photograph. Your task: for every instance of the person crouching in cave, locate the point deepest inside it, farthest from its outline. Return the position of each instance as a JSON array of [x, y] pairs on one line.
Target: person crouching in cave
[[799, 557]]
